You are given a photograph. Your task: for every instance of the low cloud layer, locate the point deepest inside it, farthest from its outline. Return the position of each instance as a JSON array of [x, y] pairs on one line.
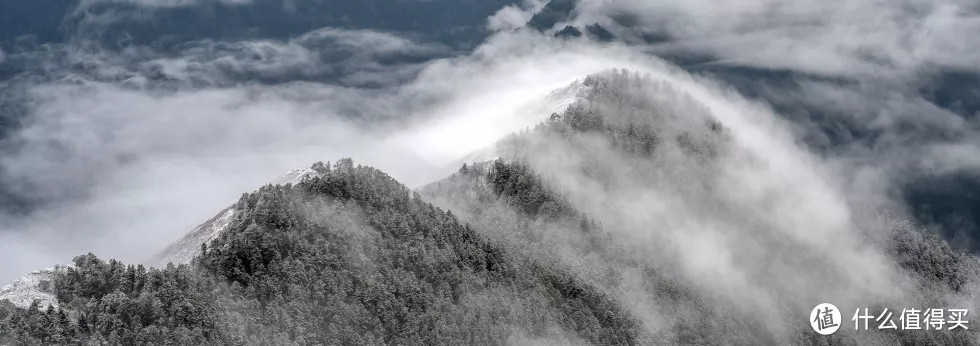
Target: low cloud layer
[[886, 91], [120, 168]]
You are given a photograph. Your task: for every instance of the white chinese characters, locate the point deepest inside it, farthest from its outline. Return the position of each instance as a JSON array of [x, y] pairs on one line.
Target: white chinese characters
[[912, 319]]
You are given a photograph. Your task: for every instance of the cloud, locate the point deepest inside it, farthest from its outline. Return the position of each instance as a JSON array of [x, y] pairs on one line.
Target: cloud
[[350, 57], [513, 17], [861, 38], [875, 86], [120, 168]]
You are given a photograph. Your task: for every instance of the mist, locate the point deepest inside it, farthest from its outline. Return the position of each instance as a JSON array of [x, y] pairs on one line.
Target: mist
[[123, 169], [139, 147]]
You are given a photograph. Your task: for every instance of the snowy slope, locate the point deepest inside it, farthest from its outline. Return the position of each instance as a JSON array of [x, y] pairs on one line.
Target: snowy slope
[[295, 176], [184, 250], [38, 285]]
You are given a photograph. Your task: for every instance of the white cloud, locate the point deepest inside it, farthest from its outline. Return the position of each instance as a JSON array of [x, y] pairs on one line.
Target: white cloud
[[513, 17], [867, 38], [127, 169]]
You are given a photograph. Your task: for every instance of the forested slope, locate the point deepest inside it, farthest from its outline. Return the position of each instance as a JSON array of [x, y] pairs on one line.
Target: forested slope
[[352, 257]]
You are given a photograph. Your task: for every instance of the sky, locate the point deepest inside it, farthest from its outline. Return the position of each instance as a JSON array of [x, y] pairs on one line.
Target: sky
[[119, 145]]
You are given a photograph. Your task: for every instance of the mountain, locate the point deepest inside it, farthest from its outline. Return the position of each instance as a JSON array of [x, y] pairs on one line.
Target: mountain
[[353, 250], [585, 189], [184, 250], [629, 218], [36, 286]]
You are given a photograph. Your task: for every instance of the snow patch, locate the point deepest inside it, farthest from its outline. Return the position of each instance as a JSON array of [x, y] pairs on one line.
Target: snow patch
[[38, 285], [295, 176], [184, 250]]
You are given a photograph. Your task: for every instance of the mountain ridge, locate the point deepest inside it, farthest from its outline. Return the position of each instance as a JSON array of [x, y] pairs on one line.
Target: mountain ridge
[[537, 245]]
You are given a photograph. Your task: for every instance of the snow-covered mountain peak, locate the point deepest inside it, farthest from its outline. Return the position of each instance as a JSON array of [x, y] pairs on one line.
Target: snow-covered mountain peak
[[184, 250], [38, 285]]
